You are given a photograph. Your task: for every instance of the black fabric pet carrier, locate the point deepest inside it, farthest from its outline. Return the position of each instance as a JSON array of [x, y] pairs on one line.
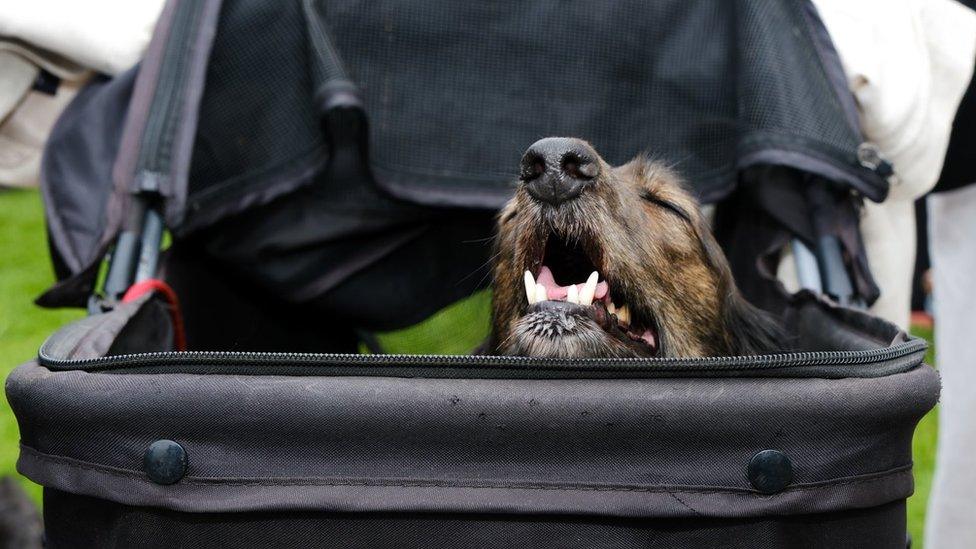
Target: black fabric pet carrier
[[330, 168], [244, 449]]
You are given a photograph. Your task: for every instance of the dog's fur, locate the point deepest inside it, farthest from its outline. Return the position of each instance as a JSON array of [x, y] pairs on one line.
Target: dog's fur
[[646, 236]]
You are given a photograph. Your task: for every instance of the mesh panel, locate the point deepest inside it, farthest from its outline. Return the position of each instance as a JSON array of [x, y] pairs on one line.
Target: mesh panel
[[257, 117], [455, 91]]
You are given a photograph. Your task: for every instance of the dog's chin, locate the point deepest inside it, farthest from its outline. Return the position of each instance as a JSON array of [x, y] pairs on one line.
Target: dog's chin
[[560, 329], [577, 308]]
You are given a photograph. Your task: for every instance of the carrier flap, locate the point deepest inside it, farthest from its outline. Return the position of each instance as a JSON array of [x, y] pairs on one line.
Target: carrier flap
[[238, 103], [455, 92], [76, 176], [452, 93], [666, 447]]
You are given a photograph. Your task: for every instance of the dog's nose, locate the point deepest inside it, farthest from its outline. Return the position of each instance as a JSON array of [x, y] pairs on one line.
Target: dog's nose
[[557, 169]]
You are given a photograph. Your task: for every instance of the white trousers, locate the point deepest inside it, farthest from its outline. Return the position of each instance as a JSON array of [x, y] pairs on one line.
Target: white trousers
[[951, 519]]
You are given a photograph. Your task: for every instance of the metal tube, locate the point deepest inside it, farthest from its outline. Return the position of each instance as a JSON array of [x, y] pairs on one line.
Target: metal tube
[[152, 237], [807, 271]]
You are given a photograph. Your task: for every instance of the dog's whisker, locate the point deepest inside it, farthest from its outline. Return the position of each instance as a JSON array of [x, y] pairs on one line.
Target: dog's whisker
[[479, 240], [483, 267]]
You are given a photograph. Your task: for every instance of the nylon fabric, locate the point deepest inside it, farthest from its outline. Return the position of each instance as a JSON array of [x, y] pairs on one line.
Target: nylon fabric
[[74, 521], [412, 443]]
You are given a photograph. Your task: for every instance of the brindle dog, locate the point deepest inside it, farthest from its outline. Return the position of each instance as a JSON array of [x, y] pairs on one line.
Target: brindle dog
[[602, 261]]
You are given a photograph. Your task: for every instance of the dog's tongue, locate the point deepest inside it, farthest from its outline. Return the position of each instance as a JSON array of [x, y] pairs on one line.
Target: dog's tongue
[[555, 291]]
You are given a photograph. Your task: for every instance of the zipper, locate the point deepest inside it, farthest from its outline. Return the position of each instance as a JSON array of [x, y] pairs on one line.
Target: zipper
[[871, 363], [155, 149]]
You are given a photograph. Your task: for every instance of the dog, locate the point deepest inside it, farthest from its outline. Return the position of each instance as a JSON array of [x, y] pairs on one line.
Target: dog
[[599, 261]]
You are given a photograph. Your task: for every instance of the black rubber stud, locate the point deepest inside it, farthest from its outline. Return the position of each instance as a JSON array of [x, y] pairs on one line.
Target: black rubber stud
[[770, 471], [165, 462]]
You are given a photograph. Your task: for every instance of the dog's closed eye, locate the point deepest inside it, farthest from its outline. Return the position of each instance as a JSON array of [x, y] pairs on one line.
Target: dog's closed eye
[[667, 205]]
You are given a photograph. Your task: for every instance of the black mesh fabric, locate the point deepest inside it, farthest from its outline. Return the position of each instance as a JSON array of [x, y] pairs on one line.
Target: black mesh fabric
[[257, 116], [257, 119], [453, 92], [79, 521], [443, 97]]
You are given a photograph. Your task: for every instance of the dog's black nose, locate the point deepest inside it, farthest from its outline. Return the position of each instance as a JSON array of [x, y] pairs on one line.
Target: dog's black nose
[[557, 169]]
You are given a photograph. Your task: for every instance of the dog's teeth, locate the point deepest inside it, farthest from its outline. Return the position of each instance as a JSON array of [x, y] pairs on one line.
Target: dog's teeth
[[572, 294], [529, 287], [540, 293], [611, 308], [589, 288], [623, 315]]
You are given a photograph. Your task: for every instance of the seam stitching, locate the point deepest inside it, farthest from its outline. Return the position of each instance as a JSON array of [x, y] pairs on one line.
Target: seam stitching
[[109, 470]]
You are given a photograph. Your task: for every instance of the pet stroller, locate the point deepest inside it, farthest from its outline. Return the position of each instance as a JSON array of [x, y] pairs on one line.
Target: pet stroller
[[330, 168]]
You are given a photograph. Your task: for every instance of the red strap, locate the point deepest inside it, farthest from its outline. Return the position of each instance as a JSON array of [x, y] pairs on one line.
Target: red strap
[[139, 289]]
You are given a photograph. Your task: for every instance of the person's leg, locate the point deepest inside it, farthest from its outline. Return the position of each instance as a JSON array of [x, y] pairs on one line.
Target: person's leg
[[951, 521]]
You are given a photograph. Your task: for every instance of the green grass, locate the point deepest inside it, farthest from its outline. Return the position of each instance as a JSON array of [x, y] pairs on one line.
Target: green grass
[[923, 453], [467, 321], [25, 272]]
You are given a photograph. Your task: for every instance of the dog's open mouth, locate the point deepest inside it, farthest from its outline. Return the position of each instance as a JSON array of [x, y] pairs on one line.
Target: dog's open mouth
[[566, 280]]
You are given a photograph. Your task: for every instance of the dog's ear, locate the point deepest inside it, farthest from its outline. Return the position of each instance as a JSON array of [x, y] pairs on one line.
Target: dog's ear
[[750, 330]]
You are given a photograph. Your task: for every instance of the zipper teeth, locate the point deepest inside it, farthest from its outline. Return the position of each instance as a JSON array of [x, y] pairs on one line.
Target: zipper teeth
[[786, 360], [154, 154]]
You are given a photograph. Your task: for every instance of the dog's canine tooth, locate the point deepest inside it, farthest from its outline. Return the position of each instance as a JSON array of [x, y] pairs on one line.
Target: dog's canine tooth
[[623, 315], [611, 308], [529, 287], [572, 294], [588, 289], [540, 293]]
